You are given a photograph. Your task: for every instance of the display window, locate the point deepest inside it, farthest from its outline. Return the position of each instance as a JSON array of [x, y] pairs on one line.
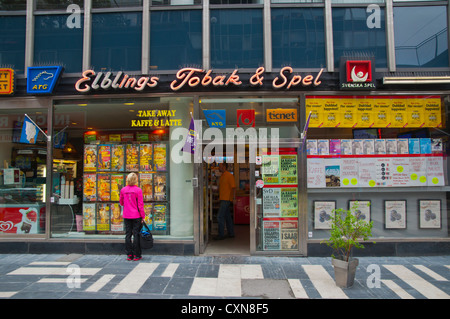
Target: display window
[[23, 175], [388, 154], [104, 140]]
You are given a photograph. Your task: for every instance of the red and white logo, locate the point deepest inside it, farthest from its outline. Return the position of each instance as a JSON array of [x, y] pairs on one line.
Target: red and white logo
[[359, 71], [245, 118]]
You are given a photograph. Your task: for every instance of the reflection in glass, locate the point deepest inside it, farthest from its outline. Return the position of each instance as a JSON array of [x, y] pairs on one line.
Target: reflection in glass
[[421, 36], [13, 42]]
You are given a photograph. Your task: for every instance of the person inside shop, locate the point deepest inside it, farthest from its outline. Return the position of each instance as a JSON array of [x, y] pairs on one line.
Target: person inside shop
[[227, 189], [132, 201]]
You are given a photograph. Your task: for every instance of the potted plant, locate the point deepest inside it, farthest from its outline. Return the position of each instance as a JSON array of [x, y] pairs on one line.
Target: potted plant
[[348, 229]]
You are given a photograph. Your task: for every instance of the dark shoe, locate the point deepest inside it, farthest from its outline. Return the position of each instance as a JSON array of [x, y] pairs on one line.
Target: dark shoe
[[136, 258], [130, 257], [219, 238]]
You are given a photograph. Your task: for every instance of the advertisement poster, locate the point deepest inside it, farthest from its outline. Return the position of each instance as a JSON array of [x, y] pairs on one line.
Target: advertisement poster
[[132, 163], [148, 219], [430, 214], [22, 219], [89, 217], [146, 184], [89, 187], [399, 116], [272, 202], [160, 157], [116, 217], [103, 217], [316, 108], [270, 169], [349, 172], [271, 235], [364, 113], [289, 235], [348, 113], [159, 216], [415, 111], [433, 113], [395, 214], [323, 211], [145, 154], [289, 202], [117, 182], [332, 175], [382, 111], [117, 158], [160, 186], [435, 171], [90, 158], [104, 158], [360, 209], [288, 169], [103, 187], [315, 173]]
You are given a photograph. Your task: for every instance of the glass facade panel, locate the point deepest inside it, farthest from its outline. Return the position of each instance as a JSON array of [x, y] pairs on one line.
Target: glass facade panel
[[117, 41], [13, 5], [56, 43], [236, 38], [175, 2], [23, 150], [421, 36], [175, 39], [298, 37], [116, 3], [95, 153], [12, 43], [57, 4], [355, 32], [397, 175]]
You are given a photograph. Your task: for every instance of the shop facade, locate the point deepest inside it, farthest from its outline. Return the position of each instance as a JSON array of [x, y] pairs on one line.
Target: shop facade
[[300, 140]]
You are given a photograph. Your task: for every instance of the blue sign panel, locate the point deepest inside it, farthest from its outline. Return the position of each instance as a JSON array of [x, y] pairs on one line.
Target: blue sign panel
[[42, 79], [215, 118]]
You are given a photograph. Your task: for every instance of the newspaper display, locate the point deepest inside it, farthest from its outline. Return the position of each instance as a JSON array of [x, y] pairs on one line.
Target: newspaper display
[[116, 218]]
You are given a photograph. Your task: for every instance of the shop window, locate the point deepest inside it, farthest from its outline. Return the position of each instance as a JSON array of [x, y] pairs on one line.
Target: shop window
[[175, 39], [97, 152], [298, 37], [23, 175], [354, 32], [57, 42], [387, 154], [116, 41], [236, 38], [421, 37], [13, 5], [13, 42]]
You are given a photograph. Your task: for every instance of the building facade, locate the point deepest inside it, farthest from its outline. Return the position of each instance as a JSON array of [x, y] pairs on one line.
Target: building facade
[[313, 106]]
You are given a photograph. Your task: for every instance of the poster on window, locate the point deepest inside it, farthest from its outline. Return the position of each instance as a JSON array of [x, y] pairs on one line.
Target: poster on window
[[148, 219], [288, 169], [160, 186], [103, 217], [323, 213], [430, 214], [395, 214], [160, 157], [116, 217], [289, 202], [117, 182], [117, 158], [104, 187], [360, 209], [270, 169], [159, 216], [104, 158], [271, 202], [90, 158], [145, 155], [271, 235], [89, 217], [89, 187], [289, 235], [146, 184], [132, 163]]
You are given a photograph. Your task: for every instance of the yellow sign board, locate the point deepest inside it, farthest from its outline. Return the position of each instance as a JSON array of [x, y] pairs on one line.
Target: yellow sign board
[[6, 81], [281, 115]]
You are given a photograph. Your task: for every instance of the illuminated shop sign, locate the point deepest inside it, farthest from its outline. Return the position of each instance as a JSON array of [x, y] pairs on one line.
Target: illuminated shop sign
[[193, 78], [6, 81], [215, 118], [357, 74], [281, 115], [42, 79]]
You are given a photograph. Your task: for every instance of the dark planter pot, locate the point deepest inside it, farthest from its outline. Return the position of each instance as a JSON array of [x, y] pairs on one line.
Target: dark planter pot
[[344, 272]]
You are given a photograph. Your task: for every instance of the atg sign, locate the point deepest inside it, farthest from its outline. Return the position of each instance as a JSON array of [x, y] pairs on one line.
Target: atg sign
[[42, 79]]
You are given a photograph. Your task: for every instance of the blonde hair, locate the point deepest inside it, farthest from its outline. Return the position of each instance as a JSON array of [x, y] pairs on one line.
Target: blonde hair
[[132, 179]]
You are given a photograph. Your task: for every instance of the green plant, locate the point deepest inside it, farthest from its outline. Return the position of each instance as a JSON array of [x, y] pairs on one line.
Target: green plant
[[347, 231]]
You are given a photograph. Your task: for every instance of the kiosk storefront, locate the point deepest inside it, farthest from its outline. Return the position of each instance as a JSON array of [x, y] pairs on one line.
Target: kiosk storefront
[[62, 185]]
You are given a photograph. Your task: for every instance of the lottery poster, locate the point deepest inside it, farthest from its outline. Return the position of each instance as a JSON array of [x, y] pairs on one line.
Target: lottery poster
[[132, 163]]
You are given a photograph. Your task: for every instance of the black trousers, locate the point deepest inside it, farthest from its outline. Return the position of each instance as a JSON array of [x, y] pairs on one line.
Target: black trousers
[[132, 229]]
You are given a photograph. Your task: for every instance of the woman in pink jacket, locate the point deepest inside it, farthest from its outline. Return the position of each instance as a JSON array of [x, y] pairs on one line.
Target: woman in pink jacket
[[133, 214]]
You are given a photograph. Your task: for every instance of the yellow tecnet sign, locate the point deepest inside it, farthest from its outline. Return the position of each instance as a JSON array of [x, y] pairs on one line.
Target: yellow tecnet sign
[[6, 81], [281, 115]]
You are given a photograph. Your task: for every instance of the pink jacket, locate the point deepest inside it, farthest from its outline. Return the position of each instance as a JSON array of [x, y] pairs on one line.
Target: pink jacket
[[132, 201]]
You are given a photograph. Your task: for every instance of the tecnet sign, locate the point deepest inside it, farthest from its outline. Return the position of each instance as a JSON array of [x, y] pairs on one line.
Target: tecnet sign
[[42, 79], [281, 115]]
